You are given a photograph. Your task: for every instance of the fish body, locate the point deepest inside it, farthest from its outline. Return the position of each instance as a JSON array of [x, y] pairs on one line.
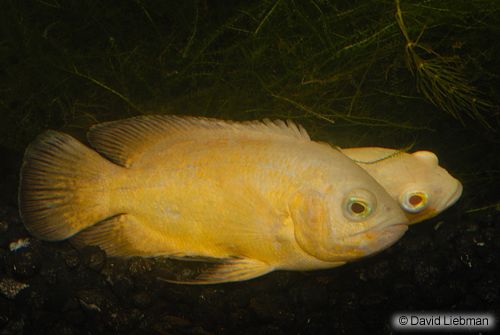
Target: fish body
[[255, 197], [422, 188]]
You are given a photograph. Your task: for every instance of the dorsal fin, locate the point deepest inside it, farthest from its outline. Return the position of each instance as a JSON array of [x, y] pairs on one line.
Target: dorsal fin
[[121, 141], [373, 155]]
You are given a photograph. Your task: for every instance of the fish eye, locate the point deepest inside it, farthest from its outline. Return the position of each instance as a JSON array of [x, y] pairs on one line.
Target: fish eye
[[414, 201], [358, 208], [359, 204]]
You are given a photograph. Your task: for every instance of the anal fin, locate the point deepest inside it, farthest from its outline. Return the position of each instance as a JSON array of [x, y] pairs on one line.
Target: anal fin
[[229, 270]]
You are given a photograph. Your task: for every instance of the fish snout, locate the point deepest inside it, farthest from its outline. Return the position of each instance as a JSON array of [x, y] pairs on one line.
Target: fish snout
[[454, 195], [371, 241]]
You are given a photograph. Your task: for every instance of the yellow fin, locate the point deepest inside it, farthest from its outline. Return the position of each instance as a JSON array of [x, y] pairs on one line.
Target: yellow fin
[[58, 191], [229, 270], [121, 141], [121, 236]]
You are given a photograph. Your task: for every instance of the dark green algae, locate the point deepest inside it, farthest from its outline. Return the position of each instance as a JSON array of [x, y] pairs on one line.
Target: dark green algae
[[345, 70]]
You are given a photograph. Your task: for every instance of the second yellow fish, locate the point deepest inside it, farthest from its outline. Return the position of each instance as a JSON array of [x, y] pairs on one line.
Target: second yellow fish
[[422, 188]]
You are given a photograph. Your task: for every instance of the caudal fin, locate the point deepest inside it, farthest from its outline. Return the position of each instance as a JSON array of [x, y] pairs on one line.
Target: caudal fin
[[62, 190]]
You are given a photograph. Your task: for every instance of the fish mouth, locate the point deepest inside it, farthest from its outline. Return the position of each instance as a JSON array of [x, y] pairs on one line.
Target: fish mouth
[[377, 231], [378, 238], [382, 238], [456, 193]]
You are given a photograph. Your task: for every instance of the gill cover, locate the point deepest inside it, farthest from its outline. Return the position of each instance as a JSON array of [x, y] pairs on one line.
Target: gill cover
[[314, 231]]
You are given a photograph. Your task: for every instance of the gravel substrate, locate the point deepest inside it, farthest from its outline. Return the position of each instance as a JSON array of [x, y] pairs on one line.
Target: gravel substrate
[[52, 288]]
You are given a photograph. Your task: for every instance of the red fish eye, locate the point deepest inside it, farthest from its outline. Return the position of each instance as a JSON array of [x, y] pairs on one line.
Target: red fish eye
[[415, 200], [357, 208]]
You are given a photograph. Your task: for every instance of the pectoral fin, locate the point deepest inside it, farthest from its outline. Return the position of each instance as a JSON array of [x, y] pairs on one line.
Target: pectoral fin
[[229, 270]]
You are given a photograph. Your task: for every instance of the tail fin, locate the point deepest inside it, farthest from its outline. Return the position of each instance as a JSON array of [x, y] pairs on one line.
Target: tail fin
[[61, 190]]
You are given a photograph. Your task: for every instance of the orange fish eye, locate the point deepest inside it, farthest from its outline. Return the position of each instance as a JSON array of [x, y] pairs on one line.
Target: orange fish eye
[[414, 201]]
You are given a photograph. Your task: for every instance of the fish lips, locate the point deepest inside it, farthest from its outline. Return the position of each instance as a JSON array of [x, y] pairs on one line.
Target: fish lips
[[383, 236], [455, 195], [370, 241]]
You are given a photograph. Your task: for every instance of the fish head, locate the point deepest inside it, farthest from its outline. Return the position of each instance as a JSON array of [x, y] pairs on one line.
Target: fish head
[[422, 188], [428, 189], [343, 224]]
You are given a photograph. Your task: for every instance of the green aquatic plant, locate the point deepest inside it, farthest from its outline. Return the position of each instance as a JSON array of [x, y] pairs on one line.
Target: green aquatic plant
[[298, 59], [439, 80]]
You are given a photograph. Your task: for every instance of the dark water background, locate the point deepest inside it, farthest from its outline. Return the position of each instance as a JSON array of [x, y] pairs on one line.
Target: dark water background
[[343, 69]]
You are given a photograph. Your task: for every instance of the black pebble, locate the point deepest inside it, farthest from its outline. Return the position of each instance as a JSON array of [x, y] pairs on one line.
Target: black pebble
[[270, 308], [123, 322], [93, 258], [138, 266], [427, 272], [315, 295], [71, 258], [141, 300], [25, 262]]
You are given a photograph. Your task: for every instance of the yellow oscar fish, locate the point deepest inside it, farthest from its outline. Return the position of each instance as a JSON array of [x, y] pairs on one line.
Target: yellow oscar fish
[[254, 197], [422, 188]]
